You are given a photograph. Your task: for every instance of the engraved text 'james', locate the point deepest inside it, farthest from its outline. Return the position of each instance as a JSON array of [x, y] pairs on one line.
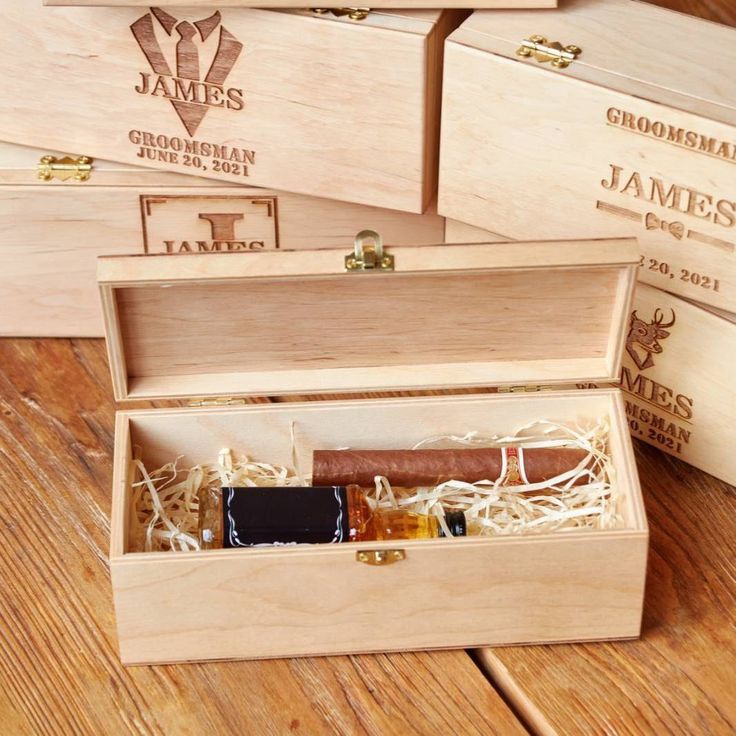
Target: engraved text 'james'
[[677, 197], [190, 64], [183, 223]]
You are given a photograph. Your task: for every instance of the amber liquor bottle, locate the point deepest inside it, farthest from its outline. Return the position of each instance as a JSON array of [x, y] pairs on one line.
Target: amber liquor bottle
[[247, 517]]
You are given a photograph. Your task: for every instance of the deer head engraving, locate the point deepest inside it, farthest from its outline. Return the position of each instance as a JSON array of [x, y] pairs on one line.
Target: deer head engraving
[[644, 338]]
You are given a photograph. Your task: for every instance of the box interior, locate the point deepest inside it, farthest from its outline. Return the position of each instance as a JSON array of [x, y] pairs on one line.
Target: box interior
[[263, 432], [227, 331], [274, 323]]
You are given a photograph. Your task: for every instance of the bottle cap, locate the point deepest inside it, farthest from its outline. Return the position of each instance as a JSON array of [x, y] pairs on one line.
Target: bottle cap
[[285, 515], [457, 523]]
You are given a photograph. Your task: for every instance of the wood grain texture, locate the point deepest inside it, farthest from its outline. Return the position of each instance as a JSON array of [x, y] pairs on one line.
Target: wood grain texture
[[578, 586], [566, 323], [317, 105], [52, 233], [59, 668], [679, 678], [214, 4], [601, 163], [688, 414]]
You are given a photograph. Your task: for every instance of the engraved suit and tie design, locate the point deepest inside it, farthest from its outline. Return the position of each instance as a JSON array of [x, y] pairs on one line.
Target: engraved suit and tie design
[[191, 86]]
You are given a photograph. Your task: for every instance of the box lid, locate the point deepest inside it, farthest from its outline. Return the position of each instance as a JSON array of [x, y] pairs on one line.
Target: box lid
[[23, 165], [447, 316], [627, 45]]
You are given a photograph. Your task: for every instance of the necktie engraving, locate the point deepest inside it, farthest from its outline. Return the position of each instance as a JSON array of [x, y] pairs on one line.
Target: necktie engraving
[[187, 55], [191, 89]]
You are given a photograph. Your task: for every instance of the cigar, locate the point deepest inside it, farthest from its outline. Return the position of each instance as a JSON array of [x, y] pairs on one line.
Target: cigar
[[411, 468]]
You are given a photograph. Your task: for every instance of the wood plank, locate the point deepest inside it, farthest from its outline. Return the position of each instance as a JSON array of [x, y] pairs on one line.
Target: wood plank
[[679, 678], [59, 668], [721, 11]]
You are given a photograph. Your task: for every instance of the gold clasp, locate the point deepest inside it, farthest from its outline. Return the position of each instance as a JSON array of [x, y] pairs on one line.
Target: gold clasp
[[542, 50], [352, 13], [79, 169], [369, 257], [380, 556]]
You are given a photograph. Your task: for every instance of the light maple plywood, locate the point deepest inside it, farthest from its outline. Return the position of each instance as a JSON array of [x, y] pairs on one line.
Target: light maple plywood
[[516, 322], [626, 142], [310, 104], [51, 234], [263, 336], [574, 586], [214, 4], [620, 51], [19, 165], [678, 377], [677, 373]]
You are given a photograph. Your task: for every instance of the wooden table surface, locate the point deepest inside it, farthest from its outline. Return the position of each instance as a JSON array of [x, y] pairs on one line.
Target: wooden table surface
[[59, 671]]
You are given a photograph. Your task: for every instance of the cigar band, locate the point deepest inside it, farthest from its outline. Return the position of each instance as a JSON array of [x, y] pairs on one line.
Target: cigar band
[[513, 472]]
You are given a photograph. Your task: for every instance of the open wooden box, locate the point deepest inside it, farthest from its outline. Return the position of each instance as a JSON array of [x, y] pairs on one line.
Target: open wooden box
[[634, 135], [292, 100], [47, 276], [450, 316]]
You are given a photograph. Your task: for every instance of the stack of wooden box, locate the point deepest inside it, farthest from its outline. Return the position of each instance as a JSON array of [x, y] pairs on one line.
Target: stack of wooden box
[[250, 144]]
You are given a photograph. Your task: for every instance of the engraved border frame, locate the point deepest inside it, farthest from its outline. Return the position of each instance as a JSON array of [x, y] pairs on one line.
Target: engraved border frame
[[146, 200]]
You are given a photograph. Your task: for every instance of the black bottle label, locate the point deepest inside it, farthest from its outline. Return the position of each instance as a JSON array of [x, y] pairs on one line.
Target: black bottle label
[[285, 515]]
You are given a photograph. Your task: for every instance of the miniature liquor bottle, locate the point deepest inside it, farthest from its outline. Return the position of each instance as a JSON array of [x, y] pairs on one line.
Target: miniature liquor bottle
[[246, 517]]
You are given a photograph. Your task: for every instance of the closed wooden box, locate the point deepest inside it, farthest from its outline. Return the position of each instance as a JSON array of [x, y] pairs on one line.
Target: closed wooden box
[[215, 4], [51, 232], [636, 135], [543, 314], [677, 373], [291, 100]]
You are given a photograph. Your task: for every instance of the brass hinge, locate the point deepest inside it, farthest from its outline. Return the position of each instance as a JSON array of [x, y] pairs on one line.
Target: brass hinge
[[352, 13], [219, 401], [543, 50], [523, 389], [368, 257], [50, 167], [380, 556]]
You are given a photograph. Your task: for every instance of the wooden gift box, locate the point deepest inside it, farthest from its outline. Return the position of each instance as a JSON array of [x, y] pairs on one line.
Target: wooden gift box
[[216, 4], [52, 231], [634, 135], [677, 372], [313, 104], [543, 314]]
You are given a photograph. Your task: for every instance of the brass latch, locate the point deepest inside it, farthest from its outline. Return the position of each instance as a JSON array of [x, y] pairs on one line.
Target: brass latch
[[380, 556], [219, 401], [369, 257], [352, 13], [542, 50], [79, 169]]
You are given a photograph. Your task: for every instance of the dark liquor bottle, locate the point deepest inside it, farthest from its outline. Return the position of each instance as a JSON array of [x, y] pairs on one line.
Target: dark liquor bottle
[[246, 517]]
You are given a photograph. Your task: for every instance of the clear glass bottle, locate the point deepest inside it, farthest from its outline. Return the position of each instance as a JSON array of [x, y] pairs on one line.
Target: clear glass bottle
[[245, 517]]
